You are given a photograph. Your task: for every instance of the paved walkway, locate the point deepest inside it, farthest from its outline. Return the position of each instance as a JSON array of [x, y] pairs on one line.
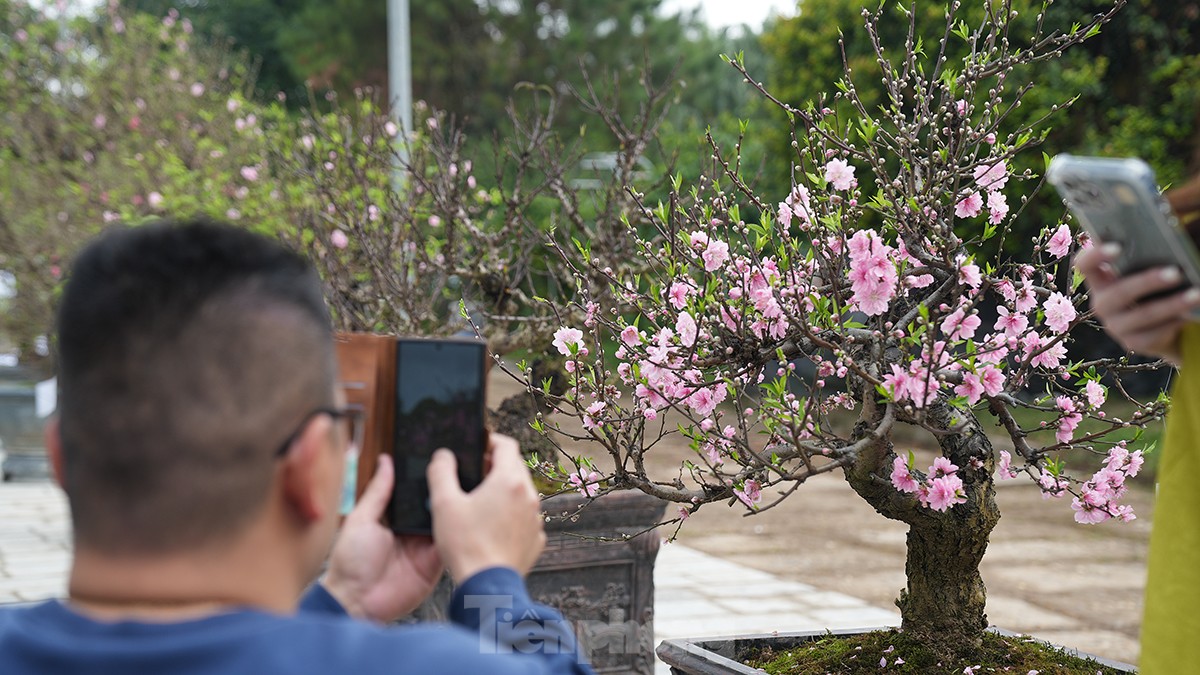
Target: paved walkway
[[35, 542]]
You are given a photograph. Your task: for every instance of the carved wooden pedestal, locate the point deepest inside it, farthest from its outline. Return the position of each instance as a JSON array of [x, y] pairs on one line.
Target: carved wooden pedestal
[[602, 584]]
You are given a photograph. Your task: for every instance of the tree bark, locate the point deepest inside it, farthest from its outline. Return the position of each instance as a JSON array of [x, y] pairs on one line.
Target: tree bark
[[945, 598]]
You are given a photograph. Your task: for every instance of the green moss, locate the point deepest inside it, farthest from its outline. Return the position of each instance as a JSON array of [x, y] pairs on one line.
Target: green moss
[[865, 653]]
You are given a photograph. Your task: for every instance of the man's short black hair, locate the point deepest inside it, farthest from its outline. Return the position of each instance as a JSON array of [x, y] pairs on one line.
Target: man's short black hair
[[187, 353]]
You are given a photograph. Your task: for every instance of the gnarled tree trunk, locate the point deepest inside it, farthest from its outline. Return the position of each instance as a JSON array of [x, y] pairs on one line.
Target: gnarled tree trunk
[[945, 597]]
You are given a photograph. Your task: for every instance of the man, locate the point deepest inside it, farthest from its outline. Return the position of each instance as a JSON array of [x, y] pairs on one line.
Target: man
[[1163, 327], [200, 441]]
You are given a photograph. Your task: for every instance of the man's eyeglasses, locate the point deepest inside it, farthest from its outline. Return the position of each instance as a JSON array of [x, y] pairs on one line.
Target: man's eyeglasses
[[350, 417]]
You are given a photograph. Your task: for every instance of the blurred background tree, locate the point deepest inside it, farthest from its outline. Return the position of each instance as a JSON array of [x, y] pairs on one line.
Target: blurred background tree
[[468, 55]]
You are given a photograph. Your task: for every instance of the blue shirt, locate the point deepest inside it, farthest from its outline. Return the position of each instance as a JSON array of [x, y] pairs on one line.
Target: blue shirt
[[496, 629]]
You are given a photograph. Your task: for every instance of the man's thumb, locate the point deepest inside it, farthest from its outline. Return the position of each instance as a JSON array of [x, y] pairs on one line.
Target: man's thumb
[[443, 473]]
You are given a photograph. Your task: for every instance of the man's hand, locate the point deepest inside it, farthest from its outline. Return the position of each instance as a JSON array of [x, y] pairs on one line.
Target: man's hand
[[373, 573], [498, 524], [1150, 327]]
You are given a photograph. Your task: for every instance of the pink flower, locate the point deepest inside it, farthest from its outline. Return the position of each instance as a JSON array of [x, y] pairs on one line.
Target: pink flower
[[391, 129], [1135, 463], [959, 326], [1069, 422], [1088, 514], [1006, 289], [100, 121], [750, 494], [945, 492], [715, 255], [1005, 470], [705, 400], [197, 90], [1034, 348], [840, 174], [797, 204], [992, 380], [872, 274], [249, 173], [902, 478], [1095, 392], [942, 467], [1060, 243], [677, 296], [588, 483], [630, 336], [997, 205], [685, 325], [154, 199], [969, 274], [339, 239], [684, 514], [991, 177], [698, 240], [784, 214], [970, 206], [1117, 458], [896, 383], [1065, 404], [565, 338], [1013, 324], [1026, 299], [589, 419], [971, 388], [1059, 312]]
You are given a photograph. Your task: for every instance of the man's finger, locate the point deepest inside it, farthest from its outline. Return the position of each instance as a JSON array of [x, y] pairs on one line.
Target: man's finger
[[375, 498], [443, 474], [506, 452]]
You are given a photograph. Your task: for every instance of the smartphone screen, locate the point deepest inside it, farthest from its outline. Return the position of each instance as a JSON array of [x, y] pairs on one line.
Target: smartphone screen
[[439, 404]]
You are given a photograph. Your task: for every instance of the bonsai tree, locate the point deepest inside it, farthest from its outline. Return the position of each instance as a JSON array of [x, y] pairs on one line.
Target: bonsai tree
[[787, 336]]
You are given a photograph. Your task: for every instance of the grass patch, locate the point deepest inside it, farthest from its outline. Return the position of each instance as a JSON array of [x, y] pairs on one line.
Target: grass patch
[[894, 652]]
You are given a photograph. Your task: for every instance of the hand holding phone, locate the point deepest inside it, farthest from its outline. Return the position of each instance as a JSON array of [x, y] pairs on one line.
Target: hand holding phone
[[499, 524], [1118, 201], [1143, 327]]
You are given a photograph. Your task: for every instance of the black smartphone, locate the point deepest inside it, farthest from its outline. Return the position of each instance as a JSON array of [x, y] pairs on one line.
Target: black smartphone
[[440, 403]]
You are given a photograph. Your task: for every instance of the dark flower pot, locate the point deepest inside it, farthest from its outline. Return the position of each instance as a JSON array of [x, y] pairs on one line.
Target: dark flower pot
[[600, 582], [725, 655]]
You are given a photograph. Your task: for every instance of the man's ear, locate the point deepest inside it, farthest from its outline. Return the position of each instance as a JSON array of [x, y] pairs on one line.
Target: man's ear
[[52, 439], [303, 470]]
